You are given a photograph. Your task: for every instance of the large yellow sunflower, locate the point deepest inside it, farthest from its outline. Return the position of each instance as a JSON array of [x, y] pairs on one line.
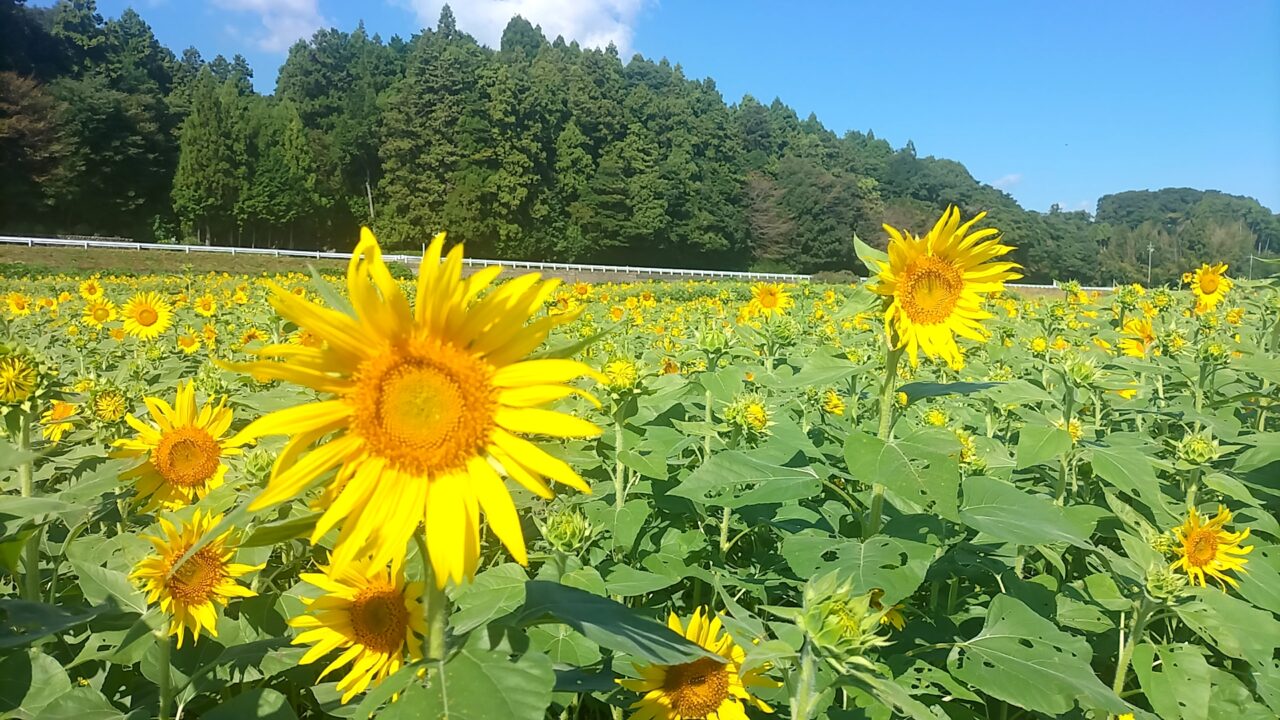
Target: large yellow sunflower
[[183, 447], [1210, 284], [371, 614], [207, 579], [704, 688], [19, 304], [1204, 548], [770, 299], [423, 409], [17, 379], [936, 284], [1138, 338], [146, 315]]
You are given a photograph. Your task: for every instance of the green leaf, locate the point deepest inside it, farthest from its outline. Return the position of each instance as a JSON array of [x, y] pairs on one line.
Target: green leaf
[[1232, 625], [273, 533], [332, 297], [480, 685], [1178, 685], [23, 622], [922, 469], [256, 703], [921, 390], [1262, 585], [626, 581], [820, 370], [897, 566], [1265, 450], [29, 681], [869, 256], [735, 479], [1006, 513], [564, 646], [494, 593], [1129, 470], [606, 623], [100, 583], [1038, 443], [1025, 660], [81, 703]]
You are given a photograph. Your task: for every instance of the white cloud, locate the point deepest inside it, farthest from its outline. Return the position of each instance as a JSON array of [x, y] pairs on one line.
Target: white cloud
[[1008, 181], [593, 23], [283, 21]]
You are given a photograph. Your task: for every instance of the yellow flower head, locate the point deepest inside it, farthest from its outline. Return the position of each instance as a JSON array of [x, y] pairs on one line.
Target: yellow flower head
[[832, 403], [935, 285], [622, 374], [17, 379], [91, 289], [57, 421], [423, 411], [98, 312], [1205, 548], [770, 299], [188, 343], [146, 315], [704, 688], [19, 304], [1210, 284], [183, 449], [190, 595], [369, 613], [205, 305], [1139, 337]]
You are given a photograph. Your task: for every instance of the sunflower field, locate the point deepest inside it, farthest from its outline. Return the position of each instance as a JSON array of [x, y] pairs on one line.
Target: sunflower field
[[459, 495]]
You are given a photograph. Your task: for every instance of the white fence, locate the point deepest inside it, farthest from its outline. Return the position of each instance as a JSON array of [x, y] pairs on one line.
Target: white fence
[[86, 243]]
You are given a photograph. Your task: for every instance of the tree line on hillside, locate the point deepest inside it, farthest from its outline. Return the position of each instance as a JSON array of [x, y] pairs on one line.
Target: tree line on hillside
[[536, 150]]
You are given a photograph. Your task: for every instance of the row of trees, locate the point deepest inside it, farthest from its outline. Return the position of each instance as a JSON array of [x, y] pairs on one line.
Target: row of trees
[[536, 149]]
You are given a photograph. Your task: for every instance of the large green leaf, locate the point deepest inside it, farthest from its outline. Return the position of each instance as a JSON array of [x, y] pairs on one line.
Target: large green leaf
[[920, 390], [606, 623], [735, 479], [1025, 660], [1232, 625], [81, 703], [870, 257], [627, 581], [30, 680], [23, 622], [895, 565], [922, 469], [1005, 512], [494, 593], [1177, 686], [480, 685], [1129, 470], [256, 703], [1039, 443]]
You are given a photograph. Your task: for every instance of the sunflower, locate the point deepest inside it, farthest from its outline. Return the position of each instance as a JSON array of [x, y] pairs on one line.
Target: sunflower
[[424, 408], [371, 614], [704, 688], [110, 405], [770, 299], [252, 335], [146, 315], [832, 403], [91, 289], [1210, 284], [57, 421], [893, 616], [1138, 339], [1204, 548], [205, 305], [17, 379], [19, 304], [183, 449], [98, 312], [191, 593], [188, 343], [935, 285]]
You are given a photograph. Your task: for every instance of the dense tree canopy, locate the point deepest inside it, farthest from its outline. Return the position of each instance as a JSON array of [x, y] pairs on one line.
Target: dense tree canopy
[[539, 149]]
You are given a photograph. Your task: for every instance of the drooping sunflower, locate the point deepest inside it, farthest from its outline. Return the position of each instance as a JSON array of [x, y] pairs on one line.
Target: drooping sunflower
[[146, 315], [183, 449], [424, 411], [935, 285], [704, 688], [56, 421], [371, 614], [770, 299], [98, 312], [17, 378], [1210, 285], [1205, 548], [207, 579]]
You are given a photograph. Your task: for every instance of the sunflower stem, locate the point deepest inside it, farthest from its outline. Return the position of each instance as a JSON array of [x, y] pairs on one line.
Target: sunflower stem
[[804, 695], [892, 357], [1140, 617], [164, 648], [435, 604], [619, 471], [26, 483]]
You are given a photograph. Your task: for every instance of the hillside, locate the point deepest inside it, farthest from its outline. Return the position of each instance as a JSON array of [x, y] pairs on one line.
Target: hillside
[[537, 150]]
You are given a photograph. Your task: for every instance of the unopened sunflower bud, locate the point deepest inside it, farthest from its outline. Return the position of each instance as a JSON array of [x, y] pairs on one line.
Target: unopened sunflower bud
[[1199, 448], [713, 341], [842, 625], [1164, 584], [568, 530], [622, 375]]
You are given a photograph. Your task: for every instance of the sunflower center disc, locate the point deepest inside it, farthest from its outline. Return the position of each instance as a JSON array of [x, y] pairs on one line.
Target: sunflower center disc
[[696, 689], [187, 457], [425, 408], [1209, 283], [147, 317], [194, 583], [1202, 547], [379, 619], [932, 290]]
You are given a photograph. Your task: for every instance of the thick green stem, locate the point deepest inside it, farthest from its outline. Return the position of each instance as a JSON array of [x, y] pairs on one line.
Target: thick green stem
[[1140, 617], [1193, 486], [435, 605], [724, 532], [887, 401], [619, 470], [805, 692], [163, 646], [710, 431], [26, 483]]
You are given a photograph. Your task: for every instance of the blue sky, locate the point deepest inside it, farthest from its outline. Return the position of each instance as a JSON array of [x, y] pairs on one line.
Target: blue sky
[[1055, 102]]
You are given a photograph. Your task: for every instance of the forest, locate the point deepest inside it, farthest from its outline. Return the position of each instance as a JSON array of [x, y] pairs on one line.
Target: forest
[[539, 149]]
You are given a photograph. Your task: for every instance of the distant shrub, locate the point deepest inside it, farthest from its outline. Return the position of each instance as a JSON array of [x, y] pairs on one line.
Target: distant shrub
[[836, 277]]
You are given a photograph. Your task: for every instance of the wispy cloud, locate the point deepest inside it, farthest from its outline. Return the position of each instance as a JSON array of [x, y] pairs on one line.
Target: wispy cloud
[[283, 21], [593, 23], [1008, 181]]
